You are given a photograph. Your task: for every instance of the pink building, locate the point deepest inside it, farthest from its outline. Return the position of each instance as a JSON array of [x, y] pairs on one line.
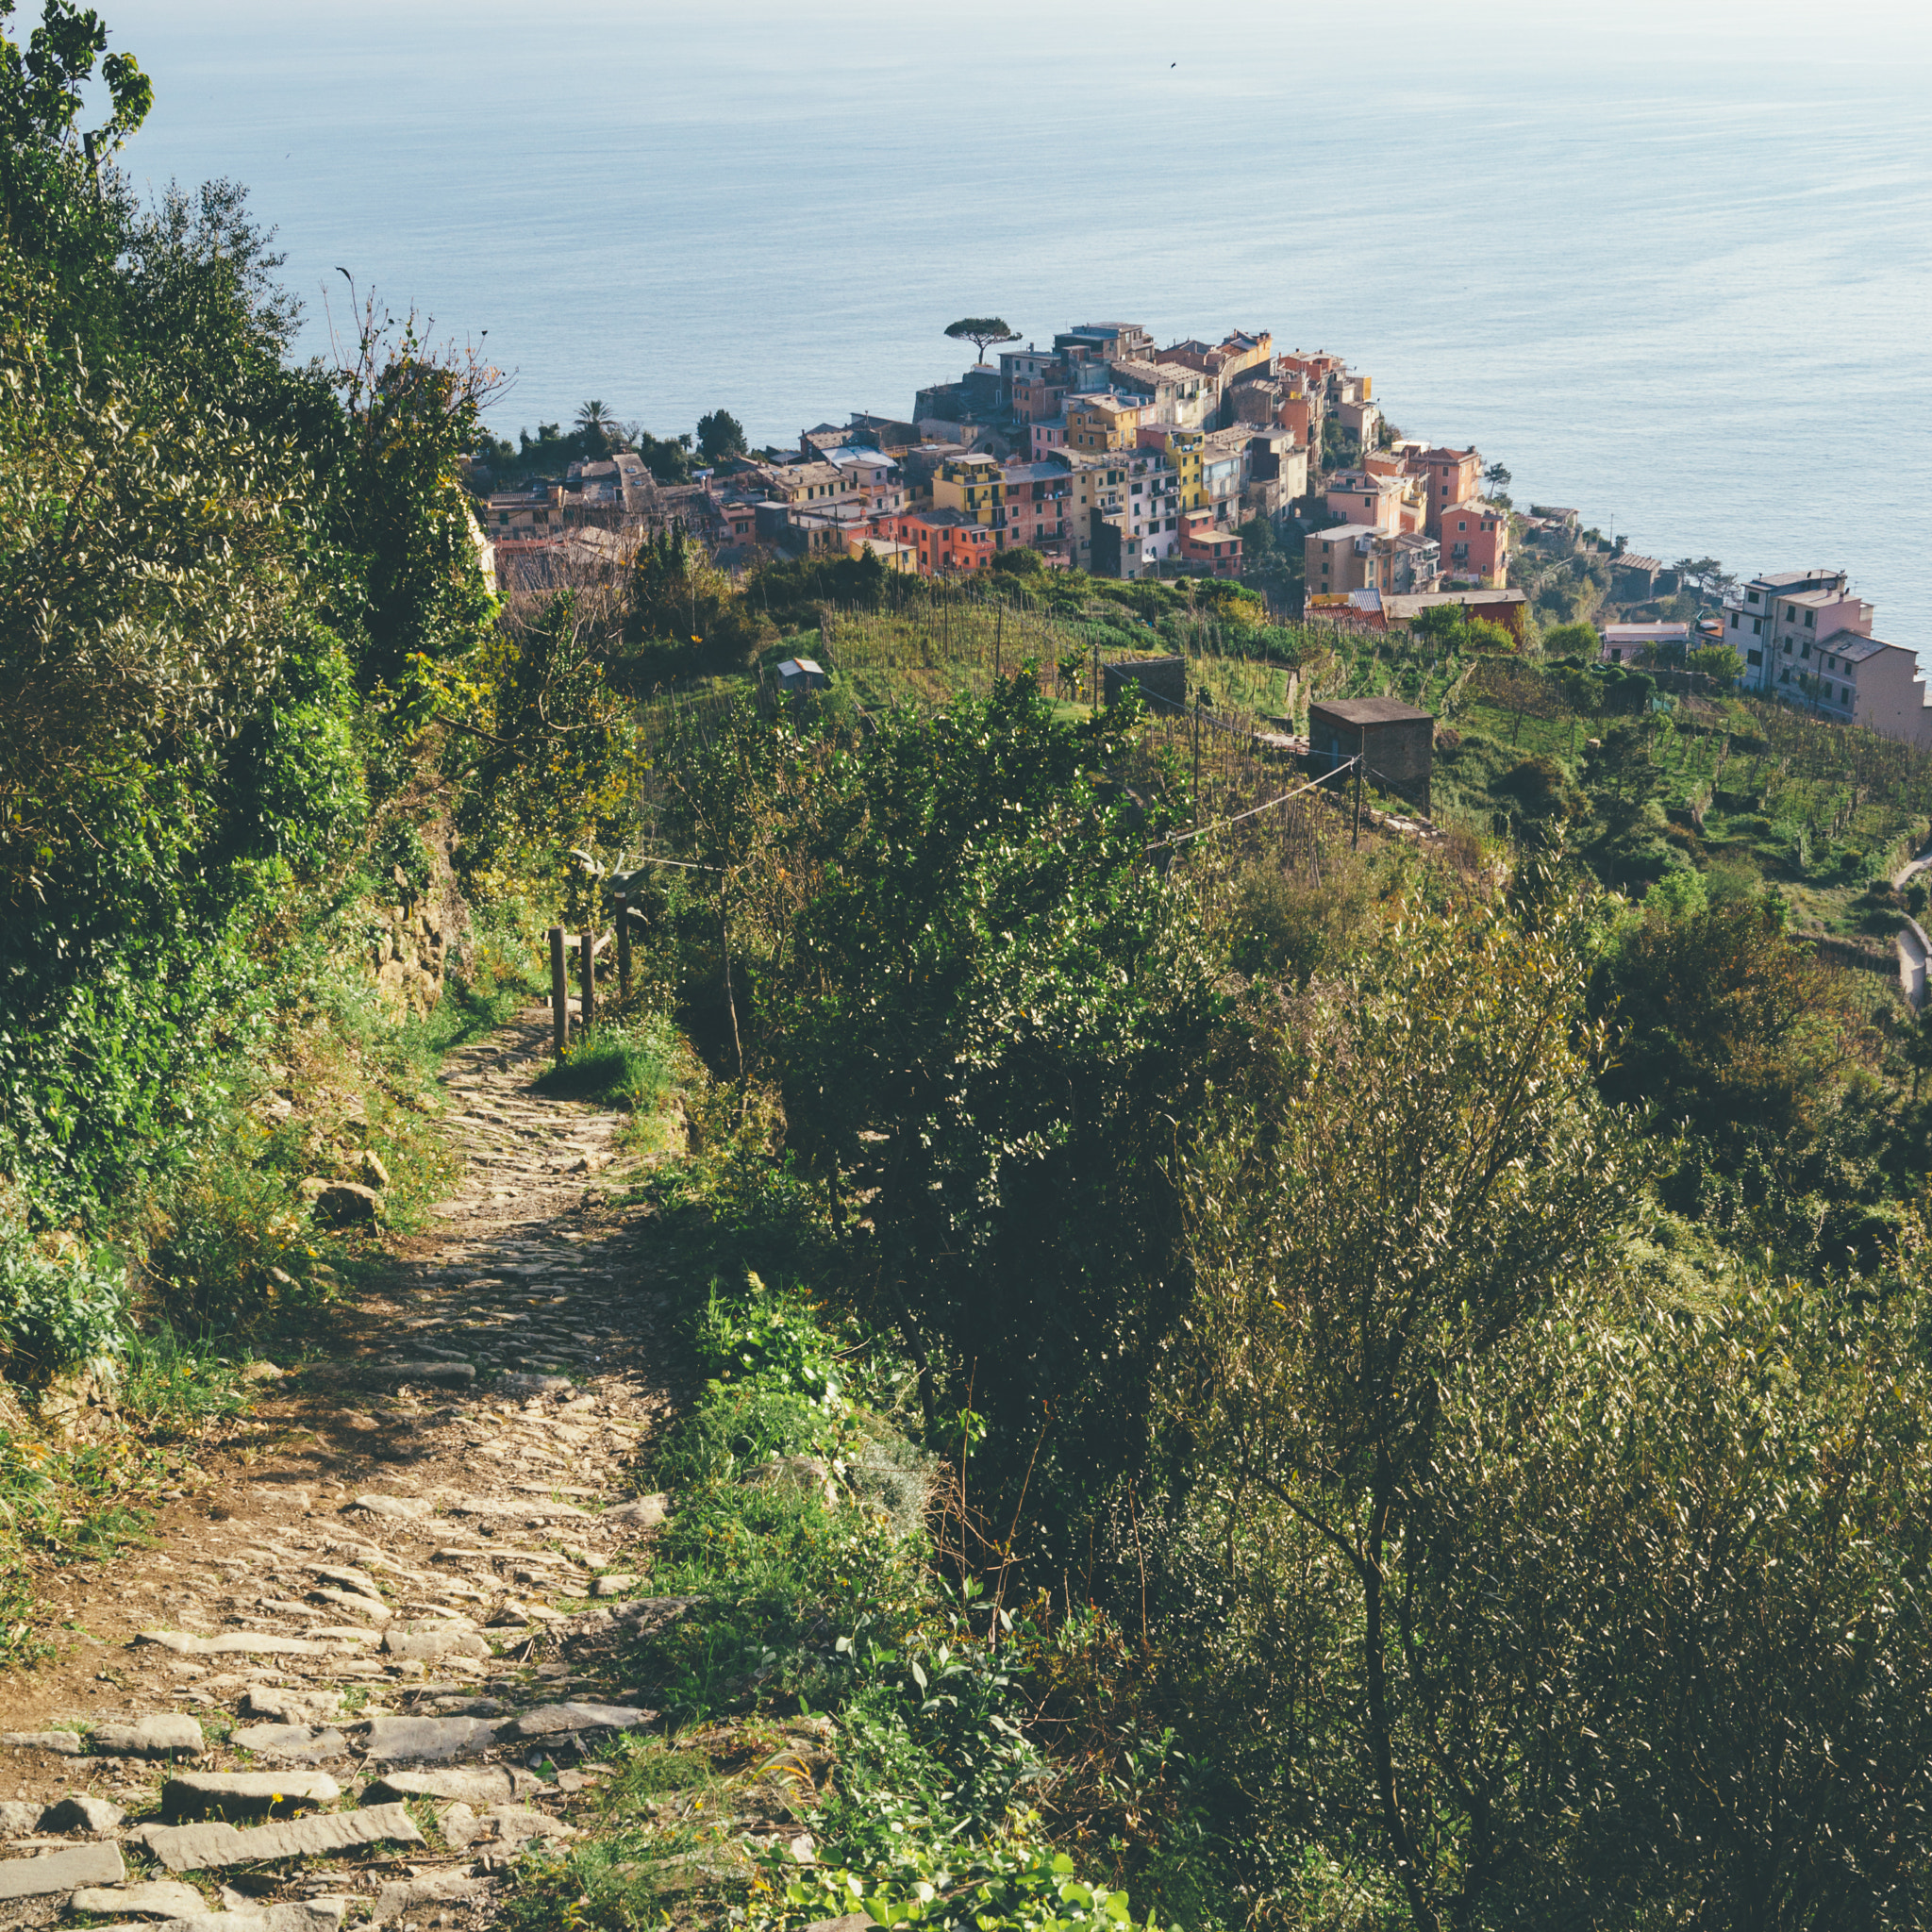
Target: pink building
[[1453, 476], [1049, 435], [1210, 549], [1476, 544], [1032, 507], [1356, 497]]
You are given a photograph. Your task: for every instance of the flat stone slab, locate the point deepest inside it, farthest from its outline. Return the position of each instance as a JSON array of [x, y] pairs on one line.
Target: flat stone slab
[[535, 1384], [446, 1639], [164, 1734], [239, 1644], [78, 1865], [160, 1898], [291, 1707], [198, 1847], [299, 1915], [348, 1635], [81, 1811], [350, 1579], [521, 1509], [398, 1509], [427, 1740], [246, 1793], [61, 1743], [392, 1901], [373, 1607], [483, 1785], [614, 1585], [18, 1817], [292, 1743], [504, 1825], [549, 1720], [641, 1512]]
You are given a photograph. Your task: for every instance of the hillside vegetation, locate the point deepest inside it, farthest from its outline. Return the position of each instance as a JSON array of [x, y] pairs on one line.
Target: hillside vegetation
[[1247, 1373]]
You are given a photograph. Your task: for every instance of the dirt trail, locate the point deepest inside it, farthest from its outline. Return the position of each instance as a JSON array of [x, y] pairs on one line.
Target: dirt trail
[[409, 1591]]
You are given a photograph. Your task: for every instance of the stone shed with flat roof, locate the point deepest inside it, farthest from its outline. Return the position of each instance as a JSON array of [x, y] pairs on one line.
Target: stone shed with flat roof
[[1398, 742], [1163, 679]]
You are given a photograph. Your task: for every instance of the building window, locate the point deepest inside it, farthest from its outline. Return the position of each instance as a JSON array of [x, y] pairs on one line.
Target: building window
[[1784, 676], [1753, 656], [1810, 620]]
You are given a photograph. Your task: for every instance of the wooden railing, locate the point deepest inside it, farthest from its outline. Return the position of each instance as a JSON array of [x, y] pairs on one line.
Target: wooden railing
[[586, 946]]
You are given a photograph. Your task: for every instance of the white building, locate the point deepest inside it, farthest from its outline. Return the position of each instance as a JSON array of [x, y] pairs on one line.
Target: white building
[[1805, 637], [1775, 624]]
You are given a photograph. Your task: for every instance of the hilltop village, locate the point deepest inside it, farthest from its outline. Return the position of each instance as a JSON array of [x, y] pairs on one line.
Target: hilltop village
[[1104, 453]]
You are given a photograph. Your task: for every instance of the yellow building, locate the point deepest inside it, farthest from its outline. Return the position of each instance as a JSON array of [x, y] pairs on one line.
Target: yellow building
[[1102, 421], [970, 485], [1185, 449]]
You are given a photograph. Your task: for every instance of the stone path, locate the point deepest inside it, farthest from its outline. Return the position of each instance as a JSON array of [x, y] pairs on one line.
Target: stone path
[[357, 1689]]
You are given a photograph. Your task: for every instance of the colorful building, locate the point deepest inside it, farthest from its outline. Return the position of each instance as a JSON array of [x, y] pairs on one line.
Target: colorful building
[[1102, 422], [1476, 544], [1208, 548], [1451, 477], [1032, 508], [1342, 560], [970, 484], [1048, 436], [1775, 622], [1185, 450], [942, 540], [1358, 496]]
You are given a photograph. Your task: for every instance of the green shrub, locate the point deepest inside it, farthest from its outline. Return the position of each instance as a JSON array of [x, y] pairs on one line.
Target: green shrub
[[56, 1310], [231, 1227]]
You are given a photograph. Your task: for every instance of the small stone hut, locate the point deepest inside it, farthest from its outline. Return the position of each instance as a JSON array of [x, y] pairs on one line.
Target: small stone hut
[[1160, 680], [1398, 742]]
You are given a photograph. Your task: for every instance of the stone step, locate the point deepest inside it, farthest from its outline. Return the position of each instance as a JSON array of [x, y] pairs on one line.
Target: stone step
[[99, 1864], [159, 1898], [207, 1847]]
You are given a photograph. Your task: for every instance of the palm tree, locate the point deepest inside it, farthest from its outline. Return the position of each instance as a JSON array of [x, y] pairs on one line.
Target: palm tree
[[597, 424]]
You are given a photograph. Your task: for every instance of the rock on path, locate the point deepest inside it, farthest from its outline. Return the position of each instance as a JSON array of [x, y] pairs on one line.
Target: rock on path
[[436, 1601]]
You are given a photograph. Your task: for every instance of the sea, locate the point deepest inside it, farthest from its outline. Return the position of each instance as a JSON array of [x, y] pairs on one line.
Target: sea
[[1670, 264]]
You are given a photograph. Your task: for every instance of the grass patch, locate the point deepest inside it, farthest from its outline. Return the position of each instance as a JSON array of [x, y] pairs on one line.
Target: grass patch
[[171, 1386], [495, 976], [632, 1064], [636, 1063]]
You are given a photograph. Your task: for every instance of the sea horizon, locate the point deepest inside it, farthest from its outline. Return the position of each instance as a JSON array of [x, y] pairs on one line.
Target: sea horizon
[[1671, 279]]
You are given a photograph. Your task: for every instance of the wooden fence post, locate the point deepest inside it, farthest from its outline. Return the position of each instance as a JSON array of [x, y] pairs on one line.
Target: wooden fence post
[[621, 902], [559, 993], [587, 1001]]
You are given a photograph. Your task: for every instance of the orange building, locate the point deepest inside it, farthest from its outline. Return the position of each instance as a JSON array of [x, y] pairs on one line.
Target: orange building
[[1453, 476], [939, 540]]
